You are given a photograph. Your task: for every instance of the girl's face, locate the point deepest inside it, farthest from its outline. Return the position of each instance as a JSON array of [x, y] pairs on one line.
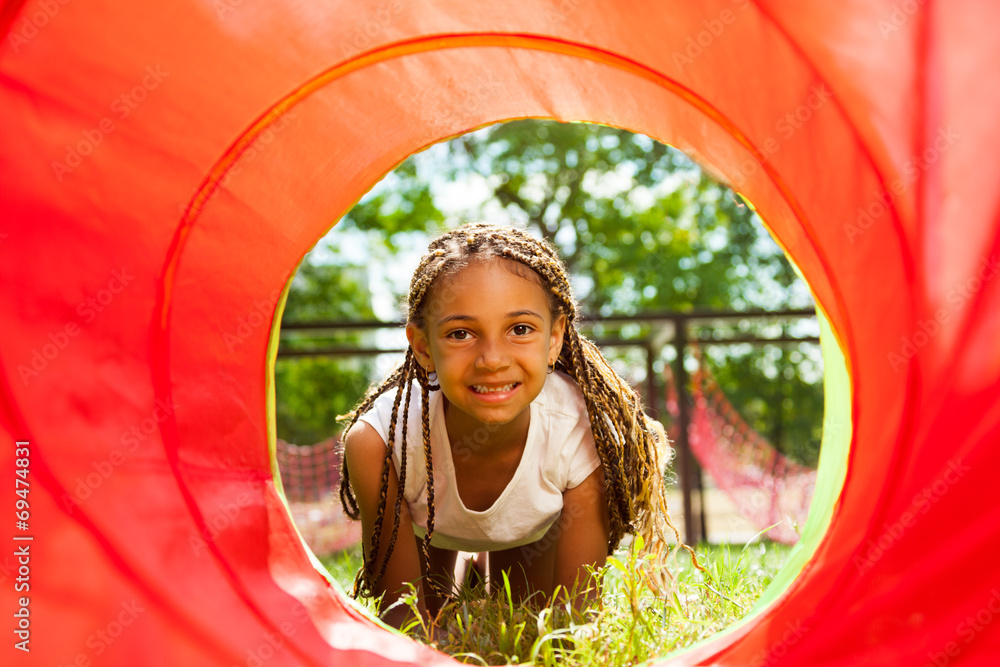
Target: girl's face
[[490, 337]]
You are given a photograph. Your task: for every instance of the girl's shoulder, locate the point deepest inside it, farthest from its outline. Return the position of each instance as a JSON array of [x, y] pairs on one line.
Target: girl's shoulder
[[380, 412], [387, 398], [565, 432], [561, 395]]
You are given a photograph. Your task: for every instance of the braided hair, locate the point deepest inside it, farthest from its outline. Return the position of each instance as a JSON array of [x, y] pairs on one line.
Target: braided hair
[[632, 448]]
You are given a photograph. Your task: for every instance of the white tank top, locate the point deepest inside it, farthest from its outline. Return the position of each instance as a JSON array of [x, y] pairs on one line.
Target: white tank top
[[559, 454]]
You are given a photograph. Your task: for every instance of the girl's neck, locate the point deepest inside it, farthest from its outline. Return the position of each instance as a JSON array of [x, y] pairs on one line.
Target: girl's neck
[[481, 439]]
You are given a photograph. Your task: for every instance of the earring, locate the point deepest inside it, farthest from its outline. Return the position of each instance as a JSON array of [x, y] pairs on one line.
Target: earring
[[551, 368]]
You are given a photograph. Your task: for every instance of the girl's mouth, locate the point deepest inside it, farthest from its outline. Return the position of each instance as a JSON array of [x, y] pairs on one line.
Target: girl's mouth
[[486, 390]]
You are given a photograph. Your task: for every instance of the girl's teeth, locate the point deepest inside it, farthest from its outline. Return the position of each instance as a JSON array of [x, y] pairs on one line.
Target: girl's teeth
[[486, 390]]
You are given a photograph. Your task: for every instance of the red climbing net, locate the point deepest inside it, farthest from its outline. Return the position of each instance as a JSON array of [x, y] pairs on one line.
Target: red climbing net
[[310, 476], [768, 489]]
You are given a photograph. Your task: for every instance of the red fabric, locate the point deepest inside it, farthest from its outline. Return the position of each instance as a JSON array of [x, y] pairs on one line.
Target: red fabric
[[171, 346]]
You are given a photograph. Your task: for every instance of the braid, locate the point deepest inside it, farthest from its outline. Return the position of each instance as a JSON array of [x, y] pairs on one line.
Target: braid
[[402, 477], [347, 498], [631, 447], [366, 577], [614, 470], [426, 544]]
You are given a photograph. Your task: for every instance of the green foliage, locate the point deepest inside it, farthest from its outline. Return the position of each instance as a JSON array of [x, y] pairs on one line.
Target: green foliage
[[311, 391], [407, 205], [329, 291], [638, 219], [631, 624]]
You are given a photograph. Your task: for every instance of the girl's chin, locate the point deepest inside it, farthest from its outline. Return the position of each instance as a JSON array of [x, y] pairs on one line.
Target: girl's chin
[[496, 417]]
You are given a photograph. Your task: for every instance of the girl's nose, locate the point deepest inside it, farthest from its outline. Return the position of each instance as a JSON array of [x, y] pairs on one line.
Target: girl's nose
[[492, 357]]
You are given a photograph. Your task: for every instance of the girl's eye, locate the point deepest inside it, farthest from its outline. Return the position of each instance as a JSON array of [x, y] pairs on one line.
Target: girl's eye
[[521, 330], [458, 334]]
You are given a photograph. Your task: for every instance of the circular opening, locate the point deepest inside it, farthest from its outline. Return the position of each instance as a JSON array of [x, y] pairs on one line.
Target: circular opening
[[654, 246]]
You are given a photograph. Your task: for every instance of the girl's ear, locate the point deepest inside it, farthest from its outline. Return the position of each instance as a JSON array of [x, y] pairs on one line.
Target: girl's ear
[[420, 346], [556, 341]]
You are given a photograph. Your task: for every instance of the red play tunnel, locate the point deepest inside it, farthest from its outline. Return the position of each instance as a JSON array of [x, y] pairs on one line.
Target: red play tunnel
[[164, 167]]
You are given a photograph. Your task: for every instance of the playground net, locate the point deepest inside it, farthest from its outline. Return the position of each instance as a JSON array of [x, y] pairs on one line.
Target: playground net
[[310, 476], [770, 491]]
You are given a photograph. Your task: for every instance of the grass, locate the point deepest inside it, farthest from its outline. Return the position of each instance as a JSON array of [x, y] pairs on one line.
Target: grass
[[631, 625]]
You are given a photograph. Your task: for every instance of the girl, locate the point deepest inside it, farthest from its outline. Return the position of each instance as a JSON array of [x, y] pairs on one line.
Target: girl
[[504, 431]]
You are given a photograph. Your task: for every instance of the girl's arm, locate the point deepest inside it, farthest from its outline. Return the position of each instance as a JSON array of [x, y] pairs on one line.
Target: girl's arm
[[364, 452], [584, 529]]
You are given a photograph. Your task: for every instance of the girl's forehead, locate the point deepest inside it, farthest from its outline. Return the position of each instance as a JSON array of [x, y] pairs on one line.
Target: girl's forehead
[[493, 274], [491, 269]]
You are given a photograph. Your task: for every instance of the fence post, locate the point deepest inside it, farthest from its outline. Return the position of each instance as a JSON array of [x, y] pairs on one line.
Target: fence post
[[650, 400], [693, 528]]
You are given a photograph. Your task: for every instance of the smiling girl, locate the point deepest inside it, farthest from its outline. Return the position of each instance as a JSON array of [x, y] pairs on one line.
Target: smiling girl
[[507, 432]]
